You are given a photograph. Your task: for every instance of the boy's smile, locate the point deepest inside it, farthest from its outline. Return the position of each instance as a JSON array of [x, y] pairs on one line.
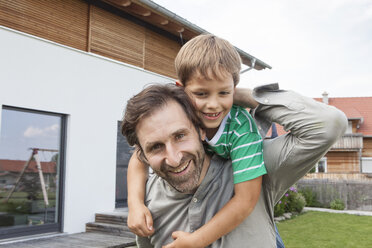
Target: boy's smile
[[213, 99]]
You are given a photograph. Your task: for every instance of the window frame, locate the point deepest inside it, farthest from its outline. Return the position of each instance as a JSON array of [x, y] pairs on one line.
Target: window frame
[[323, 159], [363, 160], [12, 232]]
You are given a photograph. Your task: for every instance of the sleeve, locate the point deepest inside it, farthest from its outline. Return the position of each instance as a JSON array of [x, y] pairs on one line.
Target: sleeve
[[313, 127], [247, 155]]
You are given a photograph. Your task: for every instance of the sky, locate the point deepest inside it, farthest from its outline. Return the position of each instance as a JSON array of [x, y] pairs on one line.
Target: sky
[[313, 46], [21, 131]]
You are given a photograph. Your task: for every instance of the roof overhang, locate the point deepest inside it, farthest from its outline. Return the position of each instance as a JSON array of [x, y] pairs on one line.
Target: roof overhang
[[154, 14]]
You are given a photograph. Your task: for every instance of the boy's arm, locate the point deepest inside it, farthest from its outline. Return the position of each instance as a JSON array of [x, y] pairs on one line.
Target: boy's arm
[[139, 217], [227, 219]]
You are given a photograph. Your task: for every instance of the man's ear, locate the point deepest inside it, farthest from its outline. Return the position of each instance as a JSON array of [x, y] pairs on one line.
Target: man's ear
[[141, 155], [179, 84], [202, 134]]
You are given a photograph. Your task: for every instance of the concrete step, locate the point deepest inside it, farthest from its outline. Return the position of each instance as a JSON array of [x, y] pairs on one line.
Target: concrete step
[[118, 218], [112, 229]]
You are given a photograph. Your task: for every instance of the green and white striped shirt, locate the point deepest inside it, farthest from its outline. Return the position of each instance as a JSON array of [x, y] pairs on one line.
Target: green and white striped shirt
[[238, 139]]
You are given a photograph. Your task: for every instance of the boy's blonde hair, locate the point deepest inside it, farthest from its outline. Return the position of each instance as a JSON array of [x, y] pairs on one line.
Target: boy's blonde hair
[[207, 56]]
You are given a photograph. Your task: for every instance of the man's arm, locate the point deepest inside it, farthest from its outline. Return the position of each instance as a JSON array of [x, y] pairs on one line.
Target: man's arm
[[244, 98], [313, 127]]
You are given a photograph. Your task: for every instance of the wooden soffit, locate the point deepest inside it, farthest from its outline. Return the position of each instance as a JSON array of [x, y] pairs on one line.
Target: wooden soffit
[[151, 13], [153, 17]]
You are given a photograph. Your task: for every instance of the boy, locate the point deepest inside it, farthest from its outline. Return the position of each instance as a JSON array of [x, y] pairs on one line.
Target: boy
[[208, 68]]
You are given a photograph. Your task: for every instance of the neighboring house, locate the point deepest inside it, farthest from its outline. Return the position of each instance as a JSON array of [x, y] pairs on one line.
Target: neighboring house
[[351, 156], [67, 69], [15, 167]]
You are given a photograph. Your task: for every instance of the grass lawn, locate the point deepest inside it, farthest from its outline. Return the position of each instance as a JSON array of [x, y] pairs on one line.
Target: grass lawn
[[326, 230]]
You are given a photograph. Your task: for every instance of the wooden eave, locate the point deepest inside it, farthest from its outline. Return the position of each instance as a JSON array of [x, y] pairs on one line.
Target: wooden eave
[[154, 17], [145, 13]]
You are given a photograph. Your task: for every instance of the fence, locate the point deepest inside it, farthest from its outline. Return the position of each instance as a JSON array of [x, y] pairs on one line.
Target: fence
[[357, 195]]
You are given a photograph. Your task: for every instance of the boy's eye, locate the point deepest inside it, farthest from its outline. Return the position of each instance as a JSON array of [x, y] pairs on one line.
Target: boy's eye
[[224, 93], [199, 93]]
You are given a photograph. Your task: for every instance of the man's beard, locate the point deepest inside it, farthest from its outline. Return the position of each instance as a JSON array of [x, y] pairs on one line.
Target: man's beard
[[188, 182]]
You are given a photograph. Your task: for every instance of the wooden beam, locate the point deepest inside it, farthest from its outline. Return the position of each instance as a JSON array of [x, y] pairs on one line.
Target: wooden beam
[[123, 3], [148, 13], [89, 38], [165, 22]]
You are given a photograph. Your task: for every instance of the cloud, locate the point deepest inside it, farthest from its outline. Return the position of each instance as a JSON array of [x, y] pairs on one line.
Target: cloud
[[32, 132]]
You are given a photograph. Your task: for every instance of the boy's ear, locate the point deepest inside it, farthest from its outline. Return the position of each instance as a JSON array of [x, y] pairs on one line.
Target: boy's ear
[[179, 84]]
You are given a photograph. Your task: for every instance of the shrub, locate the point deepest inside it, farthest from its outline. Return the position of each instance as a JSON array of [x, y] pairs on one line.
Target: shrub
[[312, 170], [279, 209], [337, 204], [292, 201], [18, 206], [310, 197], [297, 203]]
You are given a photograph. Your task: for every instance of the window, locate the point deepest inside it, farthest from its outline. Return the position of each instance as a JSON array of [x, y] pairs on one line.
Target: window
[[321, 167], [31, 175], [349, 127], [366, 165]]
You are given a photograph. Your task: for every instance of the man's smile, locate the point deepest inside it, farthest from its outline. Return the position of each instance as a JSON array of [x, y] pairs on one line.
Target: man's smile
[[181, 168]]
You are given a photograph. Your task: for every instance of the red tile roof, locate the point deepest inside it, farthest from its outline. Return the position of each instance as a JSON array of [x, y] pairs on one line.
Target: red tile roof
[[17, 166], [353, 107]]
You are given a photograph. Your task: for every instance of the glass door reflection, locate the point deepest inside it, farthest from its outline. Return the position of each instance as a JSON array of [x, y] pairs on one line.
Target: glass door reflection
[[29, 168]]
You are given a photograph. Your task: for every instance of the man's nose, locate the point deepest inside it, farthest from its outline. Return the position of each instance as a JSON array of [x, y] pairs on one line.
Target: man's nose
[[173, 156]]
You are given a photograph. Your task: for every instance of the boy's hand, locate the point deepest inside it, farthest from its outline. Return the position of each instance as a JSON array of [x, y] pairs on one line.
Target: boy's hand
[[182, 240], [140, 221]]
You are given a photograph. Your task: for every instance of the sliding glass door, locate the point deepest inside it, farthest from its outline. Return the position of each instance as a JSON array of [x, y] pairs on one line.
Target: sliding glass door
[[31, 171]]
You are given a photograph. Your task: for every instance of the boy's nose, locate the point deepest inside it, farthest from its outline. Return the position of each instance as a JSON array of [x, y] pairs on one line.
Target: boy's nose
[[212, 103]]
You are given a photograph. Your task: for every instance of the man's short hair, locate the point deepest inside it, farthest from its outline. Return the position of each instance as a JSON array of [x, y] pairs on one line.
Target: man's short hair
[[149, 100], [209, 56]]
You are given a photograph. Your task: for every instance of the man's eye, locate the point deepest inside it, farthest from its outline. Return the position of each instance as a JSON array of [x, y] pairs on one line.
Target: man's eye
[[155, 147], [180, 136]]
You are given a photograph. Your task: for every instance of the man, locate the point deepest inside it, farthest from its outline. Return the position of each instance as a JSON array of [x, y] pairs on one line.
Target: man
[[191, 186]]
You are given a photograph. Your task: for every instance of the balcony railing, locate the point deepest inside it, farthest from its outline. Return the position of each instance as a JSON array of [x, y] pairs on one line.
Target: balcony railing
[[352, 141]]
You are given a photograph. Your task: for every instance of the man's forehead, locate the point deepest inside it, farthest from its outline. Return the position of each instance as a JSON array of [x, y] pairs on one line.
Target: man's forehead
[[163, 123]]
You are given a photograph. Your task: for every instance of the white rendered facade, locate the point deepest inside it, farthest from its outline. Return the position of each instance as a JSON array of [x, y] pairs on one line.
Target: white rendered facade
[[92, 91]]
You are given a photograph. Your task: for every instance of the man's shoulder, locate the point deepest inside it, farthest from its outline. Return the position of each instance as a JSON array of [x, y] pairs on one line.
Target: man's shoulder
[[155, 185]]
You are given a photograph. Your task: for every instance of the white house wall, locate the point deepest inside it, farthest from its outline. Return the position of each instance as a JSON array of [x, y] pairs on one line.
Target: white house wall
[[92, 91]]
